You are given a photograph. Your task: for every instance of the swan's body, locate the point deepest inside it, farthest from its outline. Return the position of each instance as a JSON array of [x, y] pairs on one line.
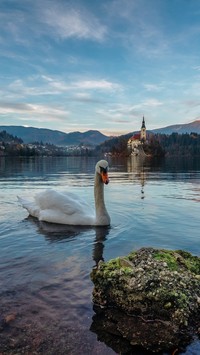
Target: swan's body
[[69, 208]]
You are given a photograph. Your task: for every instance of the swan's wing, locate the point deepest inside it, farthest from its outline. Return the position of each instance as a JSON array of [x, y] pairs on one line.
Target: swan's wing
[[67, 202], [58, 217], [56, 207], [31, 206]]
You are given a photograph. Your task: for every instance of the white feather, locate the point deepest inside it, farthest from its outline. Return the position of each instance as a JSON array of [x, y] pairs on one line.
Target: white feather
[[69, 208]]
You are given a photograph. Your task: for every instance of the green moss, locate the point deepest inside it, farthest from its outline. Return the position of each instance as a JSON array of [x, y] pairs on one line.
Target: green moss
[[191, 262], [178, 259], [127, 270], [131, 256], [155, 283], [182, 300], [167, 256], [173, 298], [113, 264]]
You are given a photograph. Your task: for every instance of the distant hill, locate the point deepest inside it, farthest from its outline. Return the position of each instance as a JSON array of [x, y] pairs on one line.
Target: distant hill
[[92, 137], [180, 128], [32, 134], [9, 138]]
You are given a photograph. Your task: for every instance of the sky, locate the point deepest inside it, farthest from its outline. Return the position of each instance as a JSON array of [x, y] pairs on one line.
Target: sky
[[99, 64]]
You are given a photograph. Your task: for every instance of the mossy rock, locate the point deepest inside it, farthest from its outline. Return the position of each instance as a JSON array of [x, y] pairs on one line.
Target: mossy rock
[[153, 284]]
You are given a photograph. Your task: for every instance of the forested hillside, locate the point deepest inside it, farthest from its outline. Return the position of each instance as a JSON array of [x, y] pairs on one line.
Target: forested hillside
[[116, 145], [8, 138], [157, 145], [180, 144]]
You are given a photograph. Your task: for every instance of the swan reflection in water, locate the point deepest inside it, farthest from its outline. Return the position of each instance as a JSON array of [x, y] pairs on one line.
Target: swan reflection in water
[[103, 323], [55, 233]]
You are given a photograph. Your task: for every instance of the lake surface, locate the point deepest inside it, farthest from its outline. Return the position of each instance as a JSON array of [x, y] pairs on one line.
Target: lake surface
[[46, 291]]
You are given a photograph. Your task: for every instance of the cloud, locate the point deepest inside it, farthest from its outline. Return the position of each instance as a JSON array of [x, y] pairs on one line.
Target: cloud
[[142, 23], [103, 85], [152, 103], [153, 87], [88, 84], [9, 107], [197, 68], [68, 22], [27, 21], [120, 112], [96, 85], [41, 87], [30, 87], [192, 103], [40, 112], [118, 121], [86, 97]]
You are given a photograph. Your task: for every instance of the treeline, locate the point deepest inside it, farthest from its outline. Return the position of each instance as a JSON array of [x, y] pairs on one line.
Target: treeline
[[114, 146], [156, 145], [118, 146], [8, 138], [18, 150], [180, 144], [14, 146]]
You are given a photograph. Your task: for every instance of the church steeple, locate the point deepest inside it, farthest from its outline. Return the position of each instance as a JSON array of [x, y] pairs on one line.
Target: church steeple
[[143, 123], [143, 135]]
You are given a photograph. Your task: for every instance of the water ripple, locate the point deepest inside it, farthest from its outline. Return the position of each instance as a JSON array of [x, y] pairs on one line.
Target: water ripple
[[45, 268]]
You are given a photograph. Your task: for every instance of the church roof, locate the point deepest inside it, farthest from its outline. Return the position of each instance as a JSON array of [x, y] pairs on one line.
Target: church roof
[[136, 136]]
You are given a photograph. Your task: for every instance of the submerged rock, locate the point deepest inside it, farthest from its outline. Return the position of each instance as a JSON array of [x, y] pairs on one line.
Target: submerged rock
[[149, 292]]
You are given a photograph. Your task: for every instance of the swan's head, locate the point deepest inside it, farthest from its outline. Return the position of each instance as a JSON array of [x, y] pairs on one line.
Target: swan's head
[[102, 169]]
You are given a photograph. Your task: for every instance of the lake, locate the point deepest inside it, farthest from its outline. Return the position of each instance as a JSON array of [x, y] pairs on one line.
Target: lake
[[46, 291]]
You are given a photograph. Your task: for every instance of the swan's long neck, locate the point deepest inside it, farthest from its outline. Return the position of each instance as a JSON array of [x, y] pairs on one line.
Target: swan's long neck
[[102, 216]]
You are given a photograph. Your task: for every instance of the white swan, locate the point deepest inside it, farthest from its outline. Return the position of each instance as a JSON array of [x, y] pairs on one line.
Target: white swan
[[69, 208]]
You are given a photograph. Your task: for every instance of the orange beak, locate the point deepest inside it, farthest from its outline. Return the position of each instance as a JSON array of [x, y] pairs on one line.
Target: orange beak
[[105, 178]]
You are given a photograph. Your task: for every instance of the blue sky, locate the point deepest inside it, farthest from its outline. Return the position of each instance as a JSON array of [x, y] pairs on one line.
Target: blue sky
[[99, 64]]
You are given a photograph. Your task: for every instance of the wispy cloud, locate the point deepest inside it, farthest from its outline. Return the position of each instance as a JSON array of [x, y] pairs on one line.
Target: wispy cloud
[[56, 19], [38, 111], [197, 68], [153, 87], [192, 103], [9, 107], [143, 31], [101, 84], [46, 85], [99, 63], [68, 22], [28, 87], [86, 97], [152, 103], [86, 84], [120, 112]]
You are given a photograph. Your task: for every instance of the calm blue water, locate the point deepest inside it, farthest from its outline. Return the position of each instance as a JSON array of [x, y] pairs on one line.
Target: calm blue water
[[44, 268]]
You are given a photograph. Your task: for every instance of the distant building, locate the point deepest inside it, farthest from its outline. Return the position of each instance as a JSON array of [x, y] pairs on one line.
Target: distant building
[[143, 133], [135, 142]]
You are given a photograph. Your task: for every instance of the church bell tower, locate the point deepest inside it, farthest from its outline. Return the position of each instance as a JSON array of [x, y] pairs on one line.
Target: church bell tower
[[143, 134]]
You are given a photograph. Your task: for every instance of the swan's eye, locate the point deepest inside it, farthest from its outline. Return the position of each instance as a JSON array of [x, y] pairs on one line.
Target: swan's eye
[[103, 170]]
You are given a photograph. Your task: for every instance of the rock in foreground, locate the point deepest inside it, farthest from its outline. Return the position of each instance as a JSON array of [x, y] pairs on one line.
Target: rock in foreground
[[150, 298]]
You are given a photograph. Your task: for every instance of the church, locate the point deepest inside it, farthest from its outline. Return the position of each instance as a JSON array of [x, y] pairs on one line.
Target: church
[[134, 144]]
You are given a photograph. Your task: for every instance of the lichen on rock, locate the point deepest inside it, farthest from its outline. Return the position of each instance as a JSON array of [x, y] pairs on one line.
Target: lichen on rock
[[155, 285]]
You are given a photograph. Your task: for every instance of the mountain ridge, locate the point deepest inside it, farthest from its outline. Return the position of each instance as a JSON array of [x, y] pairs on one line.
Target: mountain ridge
[[90, 137], [45, 135], [181, 128]]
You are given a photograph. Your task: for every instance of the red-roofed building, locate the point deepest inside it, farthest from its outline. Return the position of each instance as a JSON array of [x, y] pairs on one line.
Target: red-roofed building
[[137, 140]]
